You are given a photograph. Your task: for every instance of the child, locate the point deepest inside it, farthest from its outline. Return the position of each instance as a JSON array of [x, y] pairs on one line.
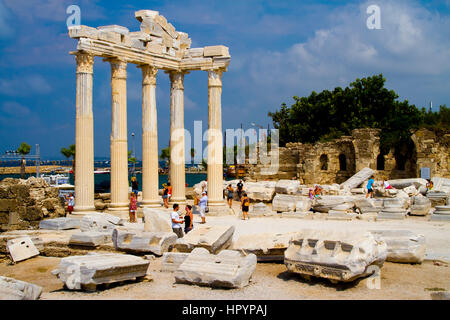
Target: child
[[370, 187], [133, 207], [245, 205]]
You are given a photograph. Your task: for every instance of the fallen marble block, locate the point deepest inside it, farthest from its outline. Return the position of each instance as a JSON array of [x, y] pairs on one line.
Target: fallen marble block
[[403, 246], [21, 249], [303, 205], [411, 191], [157, 220], [298, 214], [143, 241], [212, 238], [60, 224], [392, 214], [437, 198], [442, 213], [445, 210], [340, 215], [404, 183], [172, 260], [284, 202], [259, 209], [327, 203], [12, 289], [369, 206], [287, 186], [266, 246], [357, 179], [90, 238], [99, 222], [396, 203], [86, 272], [420, 206], [228, 269], [335, 255], [441, 184], [259, 192]]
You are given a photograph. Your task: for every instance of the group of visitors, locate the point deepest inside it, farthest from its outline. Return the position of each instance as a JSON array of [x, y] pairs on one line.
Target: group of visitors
[[316, 193], [177, 221]]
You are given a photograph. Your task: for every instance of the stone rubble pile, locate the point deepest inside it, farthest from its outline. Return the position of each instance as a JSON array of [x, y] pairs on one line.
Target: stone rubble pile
[[24, 203]]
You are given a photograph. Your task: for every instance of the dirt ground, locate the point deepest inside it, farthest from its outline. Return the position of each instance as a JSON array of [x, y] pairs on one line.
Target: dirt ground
[[269, 282]]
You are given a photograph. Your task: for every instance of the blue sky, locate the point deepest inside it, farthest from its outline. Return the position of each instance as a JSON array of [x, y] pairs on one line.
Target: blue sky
[[279, 49]]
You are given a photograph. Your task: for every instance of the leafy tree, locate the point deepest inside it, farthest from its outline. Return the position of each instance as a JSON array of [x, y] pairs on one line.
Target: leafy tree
[[70, 153], [23, 150], [365, 103]]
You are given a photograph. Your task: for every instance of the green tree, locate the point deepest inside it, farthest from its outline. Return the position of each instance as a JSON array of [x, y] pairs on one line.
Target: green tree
[[23, 150], [70, 153], [365, 103]]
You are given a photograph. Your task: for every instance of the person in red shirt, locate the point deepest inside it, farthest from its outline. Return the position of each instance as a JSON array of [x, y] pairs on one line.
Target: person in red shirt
[[133, 207]]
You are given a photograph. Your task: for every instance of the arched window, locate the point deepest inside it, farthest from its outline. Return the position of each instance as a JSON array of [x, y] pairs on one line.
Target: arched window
[[380, 162], [342, 162], [324, 162]]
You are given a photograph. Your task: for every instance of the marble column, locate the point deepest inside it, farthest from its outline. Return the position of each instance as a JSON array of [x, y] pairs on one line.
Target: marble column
[[177, 152], [84, 135], [150, 181], [215, 152], [119, 148]]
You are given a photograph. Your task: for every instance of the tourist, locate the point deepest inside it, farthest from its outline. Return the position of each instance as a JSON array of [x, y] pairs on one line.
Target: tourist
[[169, 191], [134, 185], [166, 195], [311, 194], [386, 185], [240, 186], [177, 221], [317, 192], [188, 219], [429, 185], [370, 187], [70, 203], [133, 207], [230, 195], [203, 205], [245, 204], [205, 186]]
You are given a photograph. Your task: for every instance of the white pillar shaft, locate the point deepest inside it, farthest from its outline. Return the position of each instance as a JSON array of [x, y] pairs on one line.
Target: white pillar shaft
[[177, 152], [150, 179], [84, 135], [119, 147], [215, 152]]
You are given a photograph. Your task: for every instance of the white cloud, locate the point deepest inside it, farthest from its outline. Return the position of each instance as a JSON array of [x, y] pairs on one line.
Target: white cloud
[[15, 109], [413, 46], [24, 86]]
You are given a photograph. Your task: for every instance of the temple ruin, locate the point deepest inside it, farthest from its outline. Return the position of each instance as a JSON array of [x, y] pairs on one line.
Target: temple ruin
[[156, 46]]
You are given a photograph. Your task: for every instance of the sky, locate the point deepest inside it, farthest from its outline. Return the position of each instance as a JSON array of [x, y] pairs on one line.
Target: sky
[[279, 49]]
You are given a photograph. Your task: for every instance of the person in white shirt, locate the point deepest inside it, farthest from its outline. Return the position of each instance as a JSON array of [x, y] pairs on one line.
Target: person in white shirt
[[205, 186], [177, 221], [203, 203]]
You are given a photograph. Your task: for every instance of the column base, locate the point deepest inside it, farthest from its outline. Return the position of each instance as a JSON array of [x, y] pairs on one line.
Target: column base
[[80, 214], [118, 206], [180, 201], [83, 210], [219, 210], [151, 204]]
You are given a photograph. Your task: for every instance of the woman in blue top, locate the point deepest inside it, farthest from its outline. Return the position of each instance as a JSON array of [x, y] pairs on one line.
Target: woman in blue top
[[370, 187]]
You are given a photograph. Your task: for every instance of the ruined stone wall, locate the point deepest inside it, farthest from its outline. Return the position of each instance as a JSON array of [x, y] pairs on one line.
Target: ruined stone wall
[[23, 203], [336, 161]]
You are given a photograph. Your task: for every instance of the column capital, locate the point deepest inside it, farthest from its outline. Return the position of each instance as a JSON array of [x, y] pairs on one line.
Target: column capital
[[148, 74], [177, 79], [85, 62], [215, 77], [118, 68]]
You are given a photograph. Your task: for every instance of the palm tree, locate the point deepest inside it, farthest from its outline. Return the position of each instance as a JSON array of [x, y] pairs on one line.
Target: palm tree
[[68, 153], [165, 155], [24, 149], [132, 160]]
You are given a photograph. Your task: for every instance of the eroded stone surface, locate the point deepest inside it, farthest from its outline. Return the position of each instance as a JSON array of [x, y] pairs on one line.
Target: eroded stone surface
[[157, 220], [287, 186], [403, 245], [172, 260], [21, 249], [420, 206], [60, 224], [227, 269], [90, 238], [138, 241], [99, 222], [266, 246], [85, 272], [212, 238], [336, 255], [12, 289]]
